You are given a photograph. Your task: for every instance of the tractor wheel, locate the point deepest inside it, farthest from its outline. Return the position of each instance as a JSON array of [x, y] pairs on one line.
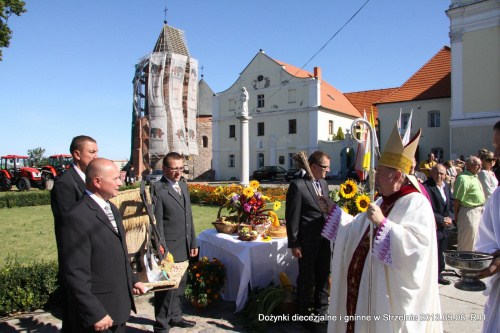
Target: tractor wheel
[[5, 184], [23, 184]]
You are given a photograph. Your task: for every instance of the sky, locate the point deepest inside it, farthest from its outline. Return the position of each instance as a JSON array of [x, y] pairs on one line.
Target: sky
[[70, 64]]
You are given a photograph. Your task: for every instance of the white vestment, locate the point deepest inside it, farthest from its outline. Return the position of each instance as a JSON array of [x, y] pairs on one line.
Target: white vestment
[[404, 274], [488, 240]]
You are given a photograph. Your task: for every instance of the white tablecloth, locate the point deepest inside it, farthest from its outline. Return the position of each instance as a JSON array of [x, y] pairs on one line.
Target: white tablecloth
[[257, 262]]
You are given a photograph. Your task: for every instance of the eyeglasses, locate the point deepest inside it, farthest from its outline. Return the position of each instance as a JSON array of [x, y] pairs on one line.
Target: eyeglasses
[[326, 167], [175, 169], [490, 160]]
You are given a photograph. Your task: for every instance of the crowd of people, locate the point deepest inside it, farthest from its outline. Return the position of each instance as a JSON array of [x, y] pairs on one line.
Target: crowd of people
[[417, 206], [386, 261]]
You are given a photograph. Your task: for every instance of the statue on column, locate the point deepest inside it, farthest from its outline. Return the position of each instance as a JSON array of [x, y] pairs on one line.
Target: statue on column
[[244, 102]]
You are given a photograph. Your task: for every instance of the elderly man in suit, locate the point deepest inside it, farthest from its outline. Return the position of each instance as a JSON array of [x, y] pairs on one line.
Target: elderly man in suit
[[304, 222], [67, 190], [442, 206], [175, 221], [95, 267]]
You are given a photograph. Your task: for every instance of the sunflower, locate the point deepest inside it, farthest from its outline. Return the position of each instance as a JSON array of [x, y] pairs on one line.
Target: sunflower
[[277, 205], [254, 184], [349, 189], [345, 209], [362, 203], [218, 190], [248, 192]]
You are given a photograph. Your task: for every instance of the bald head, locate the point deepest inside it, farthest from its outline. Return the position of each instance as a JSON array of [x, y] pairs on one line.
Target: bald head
[[438, 173], [103, 178], [473, 164]]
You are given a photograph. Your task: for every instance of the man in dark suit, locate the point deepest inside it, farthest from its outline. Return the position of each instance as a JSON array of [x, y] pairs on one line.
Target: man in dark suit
[[95, 267], [442, 206], [67, 190], [175, 221], [304, 222]]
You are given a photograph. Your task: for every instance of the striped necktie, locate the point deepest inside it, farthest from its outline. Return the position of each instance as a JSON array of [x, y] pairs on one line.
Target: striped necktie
[[318, 187], [178, 189], [111, 216]]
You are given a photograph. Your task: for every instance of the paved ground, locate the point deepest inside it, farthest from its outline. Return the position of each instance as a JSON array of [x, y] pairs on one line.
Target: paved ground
[[463, 311]]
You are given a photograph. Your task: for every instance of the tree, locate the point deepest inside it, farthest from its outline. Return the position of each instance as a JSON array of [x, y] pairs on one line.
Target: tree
[[36, 155], [7, 8], [340, 134]]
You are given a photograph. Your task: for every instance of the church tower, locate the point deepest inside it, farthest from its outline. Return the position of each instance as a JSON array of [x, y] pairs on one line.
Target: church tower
[[166, 113]]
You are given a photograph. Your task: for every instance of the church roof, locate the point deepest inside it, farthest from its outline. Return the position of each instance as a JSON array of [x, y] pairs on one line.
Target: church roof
[[331, 98], [205, 94], [433, 80], [172, 40], [363, 100]]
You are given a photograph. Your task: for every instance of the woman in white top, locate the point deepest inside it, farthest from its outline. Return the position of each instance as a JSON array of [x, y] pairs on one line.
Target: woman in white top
[[451, 172], [487, 177]]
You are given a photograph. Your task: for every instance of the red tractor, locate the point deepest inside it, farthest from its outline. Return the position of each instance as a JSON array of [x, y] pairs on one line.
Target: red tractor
[[17, 170], [57, 165]]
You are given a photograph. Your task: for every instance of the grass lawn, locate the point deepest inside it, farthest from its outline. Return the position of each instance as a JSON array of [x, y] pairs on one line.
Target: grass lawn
[[28, 232]]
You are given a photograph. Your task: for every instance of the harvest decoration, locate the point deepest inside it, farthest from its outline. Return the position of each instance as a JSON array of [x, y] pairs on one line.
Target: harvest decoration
[[250, 204], [351, 197], [205, 280]]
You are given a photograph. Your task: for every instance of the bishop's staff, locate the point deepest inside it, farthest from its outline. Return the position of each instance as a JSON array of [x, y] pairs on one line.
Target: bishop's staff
[[371, 131]]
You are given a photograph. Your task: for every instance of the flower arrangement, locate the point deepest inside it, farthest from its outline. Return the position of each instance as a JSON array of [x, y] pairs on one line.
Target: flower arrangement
[[250, 204], [205, 280], [351, 197]]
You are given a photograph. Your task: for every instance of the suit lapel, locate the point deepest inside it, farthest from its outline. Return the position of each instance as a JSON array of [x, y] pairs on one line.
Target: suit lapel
[[439, 196], [78, 179], [100, 214], [173, 193], [313, 192]]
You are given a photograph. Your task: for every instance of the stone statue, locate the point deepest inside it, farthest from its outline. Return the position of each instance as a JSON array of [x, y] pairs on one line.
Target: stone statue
[[244, 102]]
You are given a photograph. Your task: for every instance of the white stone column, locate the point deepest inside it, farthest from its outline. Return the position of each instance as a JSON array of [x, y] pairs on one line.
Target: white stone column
[[244, 150]]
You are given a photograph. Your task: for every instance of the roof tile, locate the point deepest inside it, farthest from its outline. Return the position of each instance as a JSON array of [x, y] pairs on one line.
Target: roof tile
[[433, 80], [331, 98]]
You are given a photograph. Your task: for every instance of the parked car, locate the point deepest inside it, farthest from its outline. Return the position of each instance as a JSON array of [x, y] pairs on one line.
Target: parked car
[[269, 173], [292, 173], [154, 176]]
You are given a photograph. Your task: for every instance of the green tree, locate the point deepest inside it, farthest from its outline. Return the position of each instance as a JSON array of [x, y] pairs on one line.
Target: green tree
[[36, 155], [7, 8], [340, 134]]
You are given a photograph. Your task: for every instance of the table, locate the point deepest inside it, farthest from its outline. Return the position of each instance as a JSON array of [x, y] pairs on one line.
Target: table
[[256, 263]]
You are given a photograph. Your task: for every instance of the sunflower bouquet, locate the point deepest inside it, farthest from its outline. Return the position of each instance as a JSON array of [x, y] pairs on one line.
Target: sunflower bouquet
[[205, 280], [351, 197], [250, 204]]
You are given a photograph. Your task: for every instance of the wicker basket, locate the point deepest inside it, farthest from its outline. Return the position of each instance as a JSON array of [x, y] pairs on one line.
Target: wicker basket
[[175, 273], [225, 228], [136, 223]]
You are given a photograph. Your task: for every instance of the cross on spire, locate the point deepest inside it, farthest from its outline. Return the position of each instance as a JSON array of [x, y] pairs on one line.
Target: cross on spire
[[165, 11], [201, 71]]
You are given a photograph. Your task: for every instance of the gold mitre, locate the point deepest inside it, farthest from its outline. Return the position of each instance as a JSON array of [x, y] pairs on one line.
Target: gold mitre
[[397, 156]]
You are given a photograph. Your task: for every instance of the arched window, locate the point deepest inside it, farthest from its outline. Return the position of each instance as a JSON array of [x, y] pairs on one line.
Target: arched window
[[205, 141]]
